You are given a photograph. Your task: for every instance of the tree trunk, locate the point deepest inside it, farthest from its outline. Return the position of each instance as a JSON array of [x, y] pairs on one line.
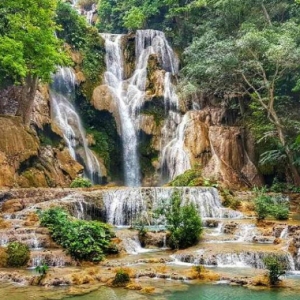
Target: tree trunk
[[267, 16], [294, 172], [26, 99]]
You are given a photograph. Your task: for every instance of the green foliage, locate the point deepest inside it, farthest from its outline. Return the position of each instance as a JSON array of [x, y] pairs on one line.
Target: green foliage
[[103, 128], [134, 18], [18, 254], [187, 178], [121, 278], [42, 268], [84, 38], [82, 239], [275, 268], [27, 39], [276, 206], [147, 153], [80, 182], [183, 222]]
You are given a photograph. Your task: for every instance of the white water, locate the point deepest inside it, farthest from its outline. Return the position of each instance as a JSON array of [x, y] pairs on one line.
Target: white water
[[127, 206], [114, 79], [63, 112], [242, 259], [133, 246], [175, 159], [130, 97]]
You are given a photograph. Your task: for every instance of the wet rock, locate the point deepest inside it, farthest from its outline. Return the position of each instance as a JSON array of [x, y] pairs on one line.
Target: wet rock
[[230, 228]]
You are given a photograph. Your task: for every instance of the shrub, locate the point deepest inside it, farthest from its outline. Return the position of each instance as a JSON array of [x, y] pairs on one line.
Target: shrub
[[121, 278], [81, 182], [84, 240], [276, 206], [42, 269], [17, 254], [275, 268], [183, 222], [262, 204], [186, 178]]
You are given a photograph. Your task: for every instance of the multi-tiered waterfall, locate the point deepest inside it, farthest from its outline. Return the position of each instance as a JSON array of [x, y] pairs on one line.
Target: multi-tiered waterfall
[[64, 114], [130, 95]]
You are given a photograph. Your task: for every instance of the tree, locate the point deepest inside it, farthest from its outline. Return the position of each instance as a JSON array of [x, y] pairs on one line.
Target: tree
[[29, 49], [252, 65], [275, 268], [183, 222]]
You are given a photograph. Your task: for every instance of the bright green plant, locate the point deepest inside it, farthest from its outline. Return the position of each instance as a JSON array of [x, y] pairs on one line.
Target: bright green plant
[[29, 49], [42, 269], [121, 278], [84, 240], [186, 178], [80, 182], [274, 267], [276, 206], [18, 254], [183, 222]]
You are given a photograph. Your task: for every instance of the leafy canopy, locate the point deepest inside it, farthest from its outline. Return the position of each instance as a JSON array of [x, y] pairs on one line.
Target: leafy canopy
[[27, 39]]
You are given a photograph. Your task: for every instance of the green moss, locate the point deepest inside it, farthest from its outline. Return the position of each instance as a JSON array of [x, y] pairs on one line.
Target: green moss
[[48, 137], [147, 153], [102, 126], [155, 108]]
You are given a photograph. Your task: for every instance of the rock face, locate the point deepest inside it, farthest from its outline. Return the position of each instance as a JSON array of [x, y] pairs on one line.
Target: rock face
[[24, 161], [16, 146]]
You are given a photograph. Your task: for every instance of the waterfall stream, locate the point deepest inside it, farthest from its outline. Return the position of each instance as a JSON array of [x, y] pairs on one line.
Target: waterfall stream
[[130, 95], [62, 94], [128, 206]]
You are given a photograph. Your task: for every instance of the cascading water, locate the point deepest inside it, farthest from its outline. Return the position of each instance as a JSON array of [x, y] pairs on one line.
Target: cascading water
[[127, 206], [114, 79], [62, 93], [130, 97], [175, 159]]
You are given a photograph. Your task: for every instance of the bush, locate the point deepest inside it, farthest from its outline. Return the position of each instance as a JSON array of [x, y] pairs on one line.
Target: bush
[[42, 269], [186, 178], [18, 254], [275, 268], [81, 182], [121, 278], [183, 222], [276, 206], [84, 240]]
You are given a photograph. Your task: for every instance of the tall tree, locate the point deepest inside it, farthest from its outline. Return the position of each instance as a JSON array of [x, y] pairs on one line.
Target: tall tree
[[29, 50], [252, 65]]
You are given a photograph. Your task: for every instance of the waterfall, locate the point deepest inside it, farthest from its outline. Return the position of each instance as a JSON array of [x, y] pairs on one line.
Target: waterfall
[[63, 112], [130, 95], [114, 79], [235, 259], [127, 206], [175, 159]]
